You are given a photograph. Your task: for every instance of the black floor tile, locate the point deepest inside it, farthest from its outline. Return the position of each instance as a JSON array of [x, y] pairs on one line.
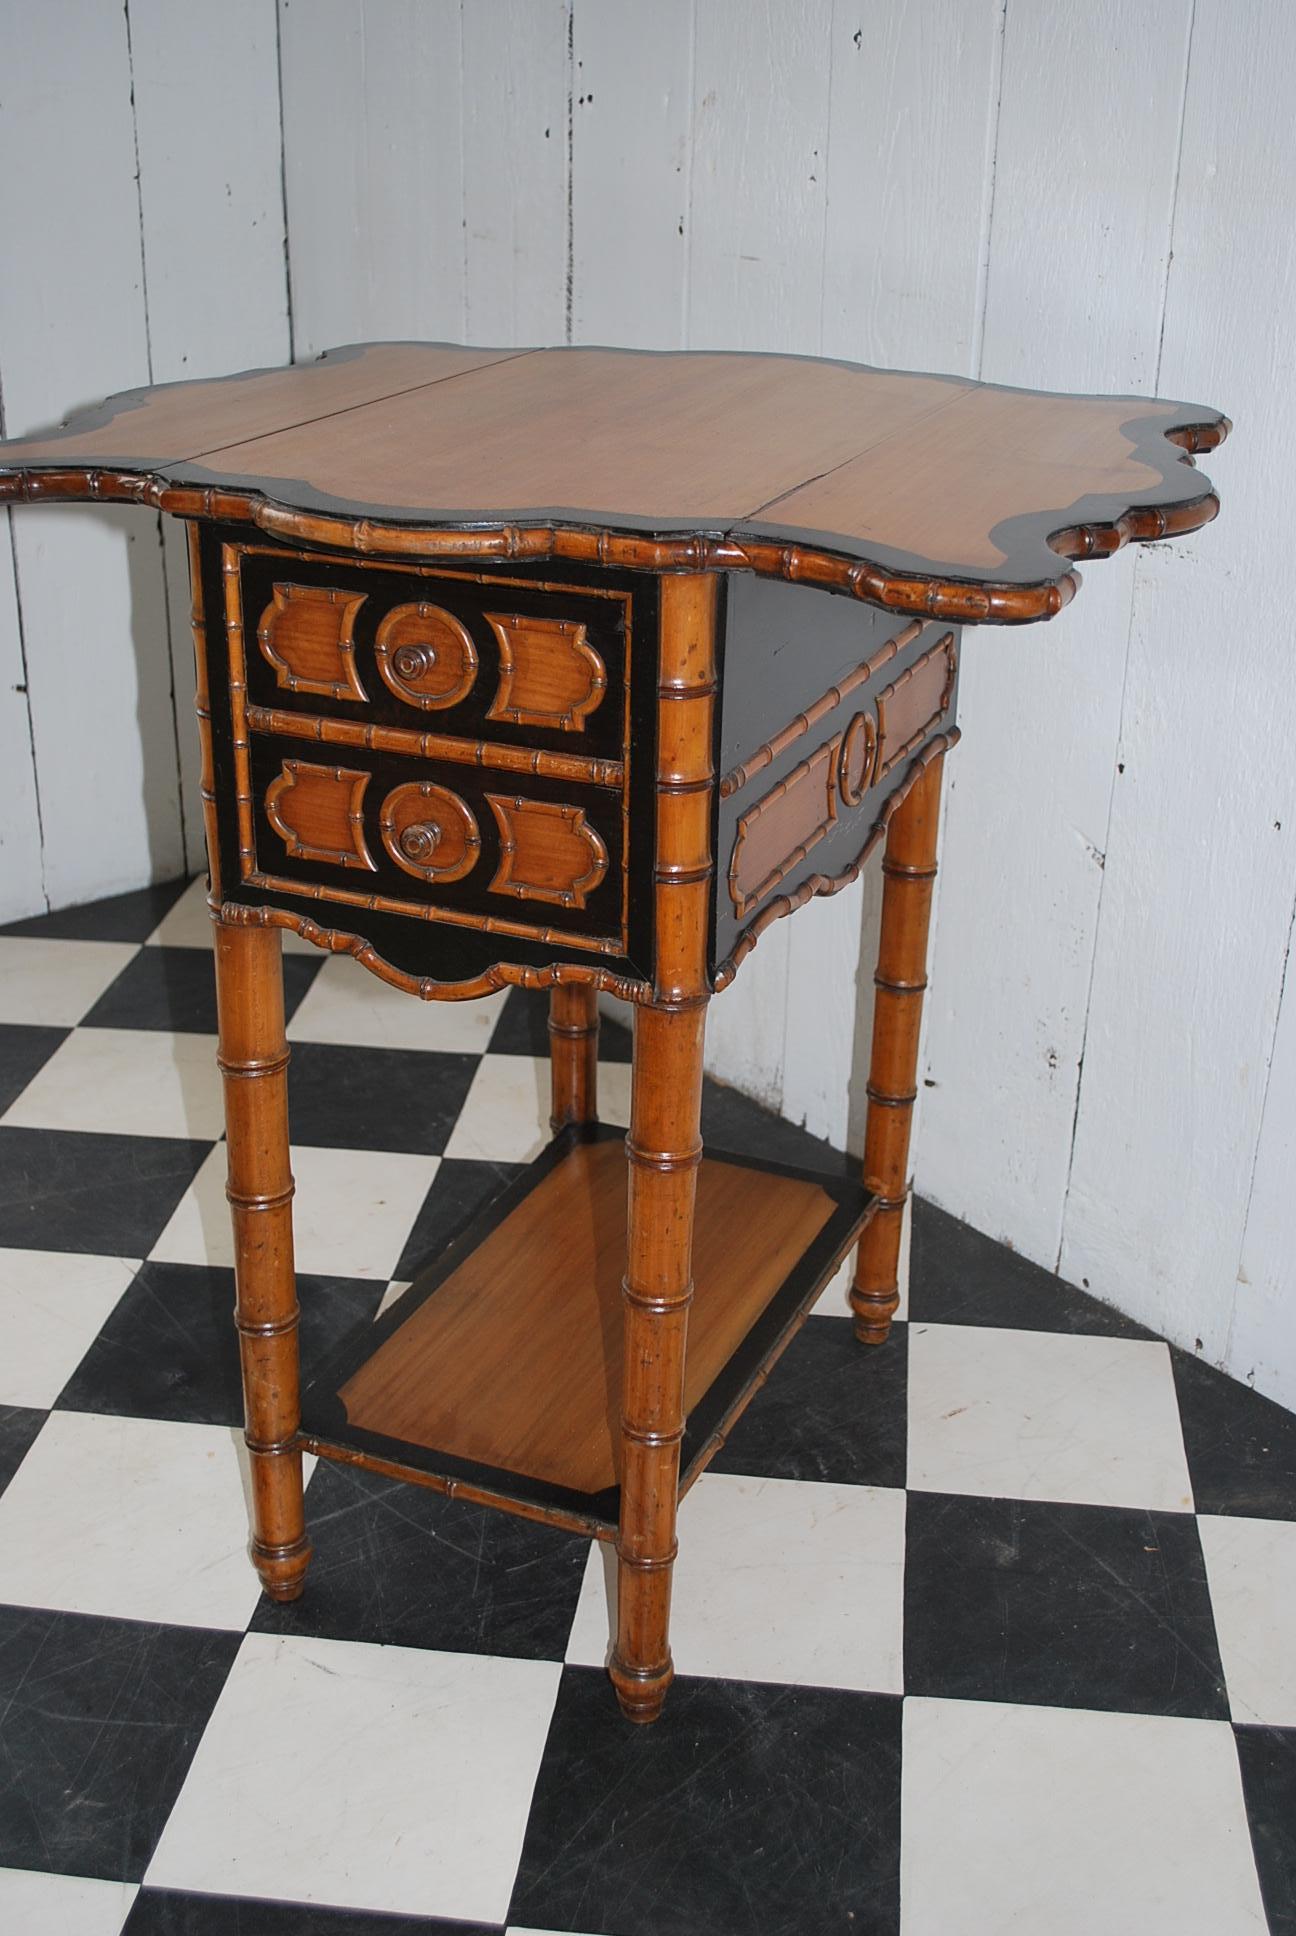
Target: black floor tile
[[376, 1099], [1268, 1760], [174, 1912], [1241, 1447], [959, 1276], [523, 1029], [73, 1190], [459, 1190], [121, 917], [834, 1409], [101, 1721], [175, 988], [745, 1811], [19, 1425], [24, 1050], [1059, 1606], [402, 1566], [169, 1348], [731, 1121]]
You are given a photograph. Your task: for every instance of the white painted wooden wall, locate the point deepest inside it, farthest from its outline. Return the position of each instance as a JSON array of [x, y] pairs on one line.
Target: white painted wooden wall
[[1069, 193]]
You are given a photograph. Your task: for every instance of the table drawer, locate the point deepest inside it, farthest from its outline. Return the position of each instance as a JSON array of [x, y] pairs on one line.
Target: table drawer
[[444, 745]]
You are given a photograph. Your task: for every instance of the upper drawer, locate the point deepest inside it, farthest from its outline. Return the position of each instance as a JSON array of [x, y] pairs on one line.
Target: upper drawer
[[471, 654], [437, 744]]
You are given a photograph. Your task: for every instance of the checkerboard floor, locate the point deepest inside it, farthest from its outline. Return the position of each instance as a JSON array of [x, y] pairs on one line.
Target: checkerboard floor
[[988, 1631]]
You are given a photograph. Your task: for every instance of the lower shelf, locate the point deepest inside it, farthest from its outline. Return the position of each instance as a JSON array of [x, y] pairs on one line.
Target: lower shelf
[[498, 1373]]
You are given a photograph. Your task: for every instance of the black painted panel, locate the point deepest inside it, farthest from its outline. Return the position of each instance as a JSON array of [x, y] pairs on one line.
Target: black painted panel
[[785, 646]]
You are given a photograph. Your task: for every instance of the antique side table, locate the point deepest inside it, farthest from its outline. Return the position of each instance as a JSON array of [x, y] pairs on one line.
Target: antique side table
[[575, 669]]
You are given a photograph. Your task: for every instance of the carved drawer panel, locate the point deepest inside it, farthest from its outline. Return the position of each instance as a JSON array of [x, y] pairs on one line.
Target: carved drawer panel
[[862, 694], [444, 745]]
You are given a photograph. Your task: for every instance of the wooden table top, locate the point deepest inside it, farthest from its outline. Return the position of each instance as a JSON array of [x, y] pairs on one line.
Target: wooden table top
[[897, 486]]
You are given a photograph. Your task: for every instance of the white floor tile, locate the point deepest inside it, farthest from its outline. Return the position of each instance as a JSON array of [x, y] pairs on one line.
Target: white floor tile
[[188, 925], [776, 1580], [348, 1004], [351, 1215], [1251, 1568], [384, 1778], [833, 1300], [52, 1304], [394, 1290], [1068, 1822], [1036, 1415], [132, 1082], [130, 1517], [35, 1904], [505, 1117], [54, 982]]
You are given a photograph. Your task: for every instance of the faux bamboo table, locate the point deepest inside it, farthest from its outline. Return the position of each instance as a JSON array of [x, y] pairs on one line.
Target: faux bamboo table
[[575, 669]]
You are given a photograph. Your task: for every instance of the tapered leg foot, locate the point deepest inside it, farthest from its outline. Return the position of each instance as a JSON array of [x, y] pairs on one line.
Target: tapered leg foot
[[876, 1329], [281, 1569], [641, 1695]]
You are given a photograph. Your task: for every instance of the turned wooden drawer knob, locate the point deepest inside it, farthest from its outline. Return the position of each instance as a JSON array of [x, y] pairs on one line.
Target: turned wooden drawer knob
[[420, 840], [413, 661]]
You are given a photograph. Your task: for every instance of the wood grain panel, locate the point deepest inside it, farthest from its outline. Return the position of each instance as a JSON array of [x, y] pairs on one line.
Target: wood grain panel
[[915, 491], [176, 420], [783, 826], [550, 674], [567, 427], [548, 851], [307, 633], [914, 704], [317, 811], [451, 1377]]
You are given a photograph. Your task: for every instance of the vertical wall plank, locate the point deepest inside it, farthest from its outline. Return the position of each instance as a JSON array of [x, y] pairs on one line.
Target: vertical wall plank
[[631, 162], [516, 72], [915, 95], [1262, 1342], [755, 270], [908, 206], [1201, 861], [1087, 153], [22, 888], [760, 166], [211, 196], [372, 116], [72, 327]]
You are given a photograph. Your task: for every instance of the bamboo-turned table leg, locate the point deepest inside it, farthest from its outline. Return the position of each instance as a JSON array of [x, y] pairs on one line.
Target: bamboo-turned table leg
[[253, 1058], [664, 1149], [909, 871], [573, 1053]]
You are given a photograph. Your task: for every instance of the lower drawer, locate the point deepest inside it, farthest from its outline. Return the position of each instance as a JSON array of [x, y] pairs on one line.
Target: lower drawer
[[438, 840]]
